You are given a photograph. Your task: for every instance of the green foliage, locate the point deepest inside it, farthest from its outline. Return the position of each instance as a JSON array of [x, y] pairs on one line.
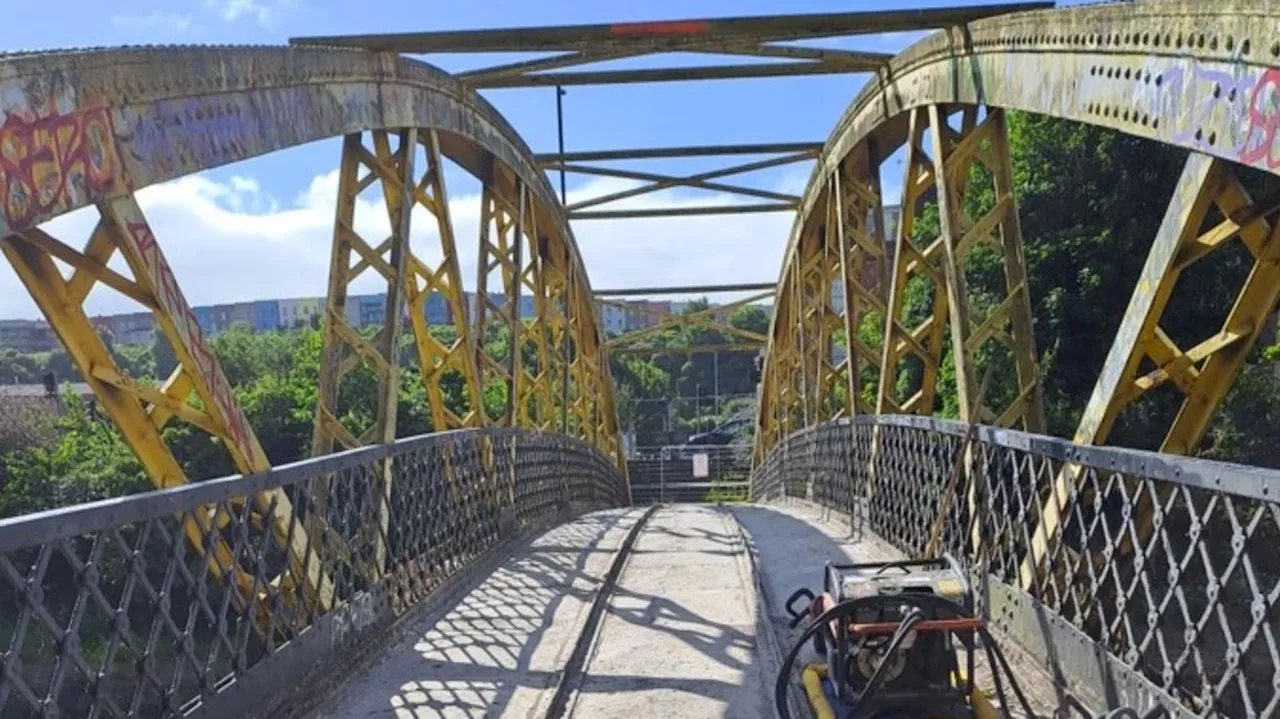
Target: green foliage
[[16, 368], [89, 461], [752, 318]]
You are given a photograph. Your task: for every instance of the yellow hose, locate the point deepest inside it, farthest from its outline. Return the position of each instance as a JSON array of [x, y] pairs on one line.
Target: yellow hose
[[815, 672], [812, 679], [982, 706]]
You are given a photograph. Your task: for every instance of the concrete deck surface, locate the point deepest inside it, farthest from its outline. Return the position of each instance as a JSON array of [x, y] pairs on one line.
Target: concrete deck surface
[[498, 651], [679, 638], [687, 632]]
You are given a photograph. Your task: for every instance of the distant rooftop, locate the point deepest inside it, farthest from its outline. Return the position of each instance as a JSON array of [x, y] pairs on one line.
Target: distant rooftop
[[38, 390]]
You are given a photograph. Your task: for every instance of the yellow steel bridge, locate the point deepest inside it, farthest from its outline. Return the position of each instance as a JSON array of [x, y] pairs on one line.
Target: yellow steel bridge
[[1122, 578]]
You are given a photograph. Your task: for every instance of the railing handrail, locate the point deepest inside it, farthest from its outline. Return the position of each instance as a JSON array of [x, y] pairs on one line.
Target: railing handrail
[[63, 522], [1240, 480]]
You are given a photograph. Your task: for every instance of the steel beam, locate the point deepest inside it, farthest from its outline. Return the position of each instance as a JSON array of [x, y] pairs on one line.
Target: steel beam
[[690, 349], [925, 340], [677, 74], [668, 35], [552, 160], [1202, 373], [141, 411], [686, 289], [683, 211]]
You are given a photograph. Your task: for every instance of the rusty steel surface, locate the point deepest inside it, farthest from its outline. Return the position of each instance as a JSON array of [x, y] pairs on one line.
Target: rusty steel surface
[[580, 37], [131, 118], [150, 115], [1203, 77]]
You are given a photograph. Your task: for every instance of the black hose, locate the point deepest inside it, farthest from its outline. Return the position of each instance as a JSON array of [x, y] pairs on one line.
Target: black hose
[[913, 617], [842, 611], [995, 656], [989, 642]]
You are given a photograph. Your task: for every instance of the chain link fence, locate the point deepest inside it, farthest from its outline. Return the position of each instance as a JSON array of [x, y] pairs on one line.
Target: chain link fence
[[157, 604], [1141, 578], [690, 473]]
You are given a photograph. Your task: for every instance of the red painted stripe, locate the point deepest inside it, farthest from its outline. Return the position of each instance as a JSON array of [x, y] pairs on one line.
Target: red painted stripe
[[687, 27]]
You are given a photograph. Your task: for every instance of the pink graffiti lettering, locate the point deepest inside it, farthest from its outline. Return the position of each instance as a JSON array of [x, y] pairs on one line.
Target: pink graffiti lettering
[[1264, 119], [51, 164], [175, 305]]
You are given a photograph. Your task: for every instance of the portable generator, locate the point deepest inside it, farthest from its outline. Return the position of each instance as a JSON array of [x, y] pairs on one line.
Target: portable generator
[[889, 633]]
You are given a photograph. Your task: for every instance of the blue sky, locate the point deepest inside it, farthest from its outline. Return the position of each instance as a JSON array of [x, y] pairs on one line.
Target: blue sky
[[227, 231]]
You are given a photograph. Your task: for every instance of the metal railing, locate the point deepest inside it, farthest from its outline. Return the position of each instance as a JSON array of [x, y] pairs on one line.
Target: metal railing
[[690, 473], [187, 600], [1155, 583]]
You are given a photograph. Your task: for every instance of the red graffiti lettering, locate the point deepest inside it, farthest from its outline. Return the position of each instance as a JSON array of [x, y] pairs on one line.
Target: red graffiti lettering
[[52, 164], [1264, 120], [145, 242], [173, 303]]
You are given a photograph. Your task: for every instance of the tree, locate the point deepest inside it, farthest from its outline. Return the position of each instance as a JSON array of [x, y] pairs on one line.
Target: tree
[[89, 461], [752, 318]]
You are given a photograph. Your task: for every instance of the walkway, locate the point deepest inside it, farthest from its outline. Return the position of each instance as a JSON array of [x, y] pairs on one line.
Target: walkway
[[497, 652], [683, 634]]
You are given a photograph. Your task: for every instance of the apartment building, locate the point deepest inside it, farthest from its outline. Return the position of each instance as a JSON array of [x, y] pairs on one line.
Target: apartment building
[[27, 335], [301, 312], [614, 319], [227, 316], [266, 315]]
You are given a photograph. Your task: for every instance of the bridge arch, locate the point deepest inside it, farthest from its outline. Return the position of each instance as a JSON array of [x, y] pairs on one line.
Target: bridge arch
[[95, 126], [1198, 77], [91, 128]]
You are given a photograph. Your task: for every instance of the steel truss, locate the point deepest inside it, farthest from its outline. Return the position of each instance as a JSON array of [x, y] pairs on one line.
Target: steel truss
[[399, 152], [742, 36], [835, 293], [1129, 68], [140, 410]]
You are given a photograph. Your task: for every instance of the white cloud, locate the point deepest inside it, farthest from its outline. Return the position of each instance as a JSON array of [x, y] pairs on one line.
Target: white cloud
[[233, 242], [232, 10], [157, 19]]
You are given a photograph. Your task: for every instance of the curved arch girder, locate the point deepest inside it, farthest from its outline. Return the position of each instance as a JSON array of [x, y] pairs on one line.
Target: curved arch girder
[[91, 128], [1204, 77]]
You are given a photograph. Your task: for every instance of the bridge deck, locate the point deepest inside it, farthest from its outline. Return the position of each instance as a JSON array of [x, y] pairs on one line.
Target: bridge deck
[[681, 636]]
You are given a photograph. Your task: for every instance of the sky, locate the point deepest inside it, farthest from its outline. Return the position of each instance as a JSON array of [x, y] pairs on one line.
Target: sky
[[261, 228]]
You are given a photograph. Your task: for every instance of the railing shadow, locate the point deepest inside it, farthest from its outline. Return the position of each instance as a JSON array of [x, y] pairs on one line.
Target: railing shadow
[[496, 641]]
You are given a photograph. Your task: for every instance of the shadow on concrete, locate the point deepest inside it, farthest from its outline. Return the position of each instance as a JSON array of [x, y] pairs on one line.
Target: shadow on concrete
[[498, 647], [499, 650], [792, 543]]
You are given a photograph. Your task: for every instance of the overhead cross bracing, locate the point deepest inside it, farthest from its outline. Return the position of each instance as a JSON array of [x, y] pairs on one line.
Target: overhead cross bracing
[[739, 37]]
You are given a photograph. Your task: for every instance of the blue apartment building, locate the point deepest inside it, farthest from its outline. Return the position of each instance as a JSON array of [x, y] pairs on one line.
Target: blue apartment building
[[266, 315]]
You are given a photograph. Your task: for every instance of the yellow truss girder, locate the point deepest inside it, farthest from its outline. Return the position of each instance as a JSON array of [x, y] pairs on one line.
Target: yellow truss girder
[[140, 410], [803, 384], [1203, 373]]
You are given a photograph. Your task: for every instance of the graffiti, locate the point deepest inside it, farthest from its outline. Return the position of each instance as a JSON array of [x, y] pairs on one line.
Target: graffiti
[[1264, 118], [353, 620], [1230, 115], [173, 137], [1191, 103], [52, 164], [208, 131], [174, 304]]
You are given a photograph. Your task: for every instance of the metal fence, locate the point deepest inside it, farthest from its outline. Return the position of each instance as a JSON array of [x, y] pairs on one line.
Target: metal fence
[[690, 473], [1141, 578], [156, 604]]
